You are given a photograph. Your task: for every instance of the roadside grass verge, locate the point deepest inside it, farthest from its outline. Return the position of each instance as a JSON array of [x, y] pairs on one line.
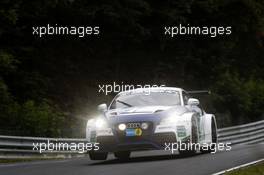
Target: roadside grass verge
[[257, 169]]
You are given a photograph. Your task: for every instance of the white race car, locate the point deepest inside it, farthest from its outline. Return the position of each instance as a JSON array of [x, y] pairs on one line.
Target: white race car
[[151, 118]]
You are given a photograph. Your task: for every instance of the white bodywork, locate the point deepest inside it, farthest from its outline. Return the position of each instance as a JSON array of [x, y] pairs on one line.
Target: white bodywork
[[186, 114]]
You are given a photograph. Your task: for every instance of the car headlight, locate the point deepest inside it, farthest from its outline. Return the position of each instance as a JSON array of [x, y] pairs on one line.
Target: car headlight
[[90, 122], [122, 126], [168, 120], [144, 125], [100, 123]]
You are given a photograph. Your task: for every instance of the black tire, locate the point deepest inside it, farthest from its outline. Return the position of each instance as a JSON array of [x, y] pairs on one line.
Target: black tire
[[194, 139], [98, 155], [122, 155], [214, 139]]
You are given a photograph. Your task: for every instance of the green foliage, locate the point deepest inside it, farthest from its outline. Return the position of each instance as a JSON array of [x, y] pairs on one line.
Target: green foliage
[[30, 119], [244, 99], [41, 119], [4, 95], [49, 84], [7, 63]]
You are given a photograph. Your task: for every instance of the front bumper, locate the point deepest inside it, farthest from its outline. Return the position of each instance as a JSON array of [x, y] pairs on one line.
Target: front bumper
[[155, 141]]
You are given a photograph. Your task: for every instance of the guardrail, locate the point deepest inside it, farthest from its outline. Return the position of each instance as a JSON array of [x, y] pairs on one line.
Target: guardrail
[[15, 146], [242, 134]]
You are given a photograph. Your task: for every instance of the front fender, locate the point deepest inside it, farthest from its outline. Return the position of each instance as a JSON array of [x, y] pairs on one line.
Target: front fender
[[208, 119], [182, 126]]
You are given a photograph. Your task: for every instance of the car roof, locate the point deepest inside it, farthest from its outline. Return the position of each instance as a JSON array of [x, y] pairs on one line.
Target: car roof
[[150, 89]]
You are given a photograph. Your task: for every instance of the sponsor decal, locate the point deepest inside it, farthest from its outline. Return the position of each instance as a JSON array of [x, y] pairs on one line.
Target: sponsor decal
[[133, 132]]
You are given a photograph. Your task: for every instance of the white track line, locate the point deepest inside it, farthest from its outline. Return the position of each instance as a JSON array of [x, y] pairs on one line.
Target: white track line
[[237, 167]]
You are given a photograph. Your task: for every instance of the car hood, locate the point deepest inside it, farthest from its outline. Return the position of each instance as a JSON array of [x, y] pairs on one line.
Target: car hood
[[146, 113], [139, 110]]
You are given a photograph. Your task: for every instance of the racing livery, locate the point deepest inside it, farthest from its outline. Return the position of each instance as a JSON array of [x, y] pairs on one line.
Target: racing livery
[[146, 119]]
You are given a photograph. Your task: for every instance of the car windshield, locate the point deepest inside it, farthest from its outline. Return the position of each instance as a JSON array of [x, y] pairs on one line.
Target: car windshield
[[153, 98]]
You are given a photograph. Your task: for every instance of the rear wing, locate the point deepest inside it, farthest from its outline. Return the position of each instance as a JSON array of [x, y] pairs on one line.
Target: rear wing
[[199, 92]]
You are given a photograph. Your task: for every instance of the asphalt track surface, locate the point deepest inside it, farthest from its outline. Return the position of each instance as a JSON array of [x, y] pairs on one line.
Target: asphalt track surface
[[148, 162]]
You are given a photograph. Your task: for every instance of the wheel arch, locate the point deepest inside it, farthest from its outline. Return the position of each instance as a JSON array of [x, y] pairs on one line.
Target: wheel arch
[[208, 119], [188, 120]]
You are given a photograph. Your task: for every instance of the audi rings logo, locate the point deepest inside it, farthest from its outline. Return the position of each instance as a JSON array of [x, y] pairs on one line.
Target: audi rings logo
[[133, 125]]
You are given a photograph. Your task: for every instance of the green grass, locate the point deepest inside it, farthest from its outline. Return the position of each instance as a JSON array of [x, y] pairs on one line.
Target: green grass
[[257, 169]]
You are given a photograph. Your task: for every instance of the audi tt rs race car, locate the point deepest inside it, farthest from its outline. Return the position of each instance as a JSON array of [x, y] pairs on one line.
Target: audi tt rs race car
[[150, 119]]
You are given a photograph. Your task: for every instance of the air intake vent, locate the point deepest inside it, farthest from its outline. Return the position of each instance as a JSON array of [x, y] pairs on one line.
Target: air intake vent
[[159, 110]]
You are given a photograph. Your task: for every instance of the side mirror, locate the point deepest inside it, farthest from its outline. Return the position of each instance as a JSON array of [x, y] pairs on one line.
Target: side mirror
[[102, 108], [193, 102]]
